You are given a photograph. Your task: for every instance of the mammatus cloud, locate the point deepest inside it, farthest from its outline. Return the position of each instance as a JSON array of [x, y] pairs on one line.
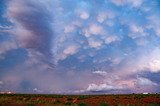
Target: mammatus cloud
[[73, 46]]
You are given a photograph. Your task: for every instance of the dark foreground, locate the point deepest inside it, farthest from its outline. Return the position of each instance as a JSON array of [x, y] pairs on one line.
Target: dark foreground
[[79, 100]]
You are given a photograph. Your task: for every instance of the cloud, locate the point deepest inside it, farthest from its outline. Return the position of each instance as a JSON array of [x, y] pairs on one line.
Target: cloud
[[92, 29], [151, 61], [102, 73], [136, 3], [83, 14], [1, 82], [4, 28], [121, 84], [154, 24], [101, 17], [68, 29], [62, 40], [111, 39], [145, 82], [68, 51], [136, 31], [6, 46], [133, 3], [95, 29], [94, 43], [102, 87], [30, 30], [157, 32], [145, 62], [118, 2]]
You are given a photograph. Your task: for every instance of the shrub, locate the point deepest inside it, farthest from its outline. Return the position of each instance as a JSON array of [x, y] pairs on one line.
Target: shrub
[[69, 98], [152, 104], [68, 103], [57, 102], [30, 105], [116, 104], [81, 97], [131, 105], [103, 104], [82, 104]]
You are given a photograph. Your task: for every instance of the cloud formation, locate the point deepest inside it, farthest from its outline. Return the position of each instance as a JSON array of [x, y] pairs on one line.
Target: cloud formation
[[32, 23], [73, 46]]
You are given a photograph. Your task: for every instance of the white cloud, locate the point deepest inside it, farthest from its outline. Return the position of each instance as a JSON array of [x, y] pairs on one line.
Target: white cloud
[[136, 31], [142, 41], [102, 73], [95, 29], [6, 46], [151, 61], [34, 57], [133, 3], [94, 43], [129, 83], [37, 90], [110, 39], [69, 28], [22, 34], [101, 17], [144, 82], [70, 50], [116, 60], [67, 51], [154, 65], [157, 31], [92, 29], [4, 27], [154, 24], [118, 2], [136, 3], [85, 32], [102, 87], [110, 23], [83, 14]]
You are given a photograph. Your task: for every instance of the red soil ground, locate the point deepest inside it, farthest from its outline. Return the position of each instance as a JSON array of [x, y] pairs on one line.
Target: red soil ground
[[75, 100]]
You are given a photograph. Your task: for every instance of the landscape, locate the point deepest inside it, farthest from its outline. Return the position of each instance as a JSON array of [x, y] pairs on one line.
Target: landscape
[[80, 52], [80, 100]]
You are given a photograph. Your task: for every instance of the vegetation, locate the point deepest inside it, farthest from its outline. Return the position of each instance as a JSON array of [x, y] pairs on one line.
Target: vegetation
[[82, 104], [153, 104], [103, 104], [79, 100]]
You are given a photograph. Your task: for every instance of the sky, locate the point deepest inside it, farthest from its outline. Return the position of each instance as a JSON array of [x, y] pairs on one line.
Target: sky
[[80, 46]]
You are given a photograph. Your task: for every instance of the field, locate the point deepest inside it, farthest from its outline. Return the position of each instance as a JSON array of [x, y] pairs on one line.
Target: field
[[79, 100]]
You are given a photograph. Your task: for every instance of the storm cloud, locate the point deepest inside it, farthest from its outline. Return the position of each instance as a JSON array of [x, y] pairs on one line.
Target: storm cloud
[[59, 46]]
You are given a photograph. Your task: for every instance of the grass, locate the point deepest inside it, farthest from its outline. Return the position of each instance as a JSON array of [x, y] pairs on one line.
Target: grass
[[81, 97], [103, 104], [153, 104], [82, 104]]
